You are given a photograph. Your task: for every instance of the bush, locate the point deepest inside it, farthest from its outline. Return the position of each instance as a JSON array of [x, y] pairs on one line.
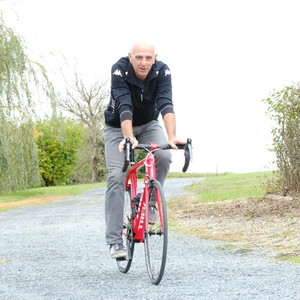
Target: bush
[[58, 141], [284, 109]]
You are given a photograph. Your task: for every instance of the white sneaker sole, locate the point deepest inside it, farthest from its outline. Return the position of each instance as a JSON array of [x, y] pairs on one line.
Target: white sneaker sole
[[118, 255]]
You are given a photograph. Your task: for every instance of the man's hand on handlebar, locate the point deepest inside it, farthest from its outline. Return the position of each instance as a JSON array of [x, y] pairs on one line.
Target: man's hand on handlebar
[[173, 141], [133, 142]]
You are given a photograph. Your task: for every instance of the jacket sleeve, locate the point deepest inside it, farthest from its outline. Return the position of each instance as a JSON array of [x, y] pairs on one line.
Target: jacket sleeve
[[164, 91], [121, 93]]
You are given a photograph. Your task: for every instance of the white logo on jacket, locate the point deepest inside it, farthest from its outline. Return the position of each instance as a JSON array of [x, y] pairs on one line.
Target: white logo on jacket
[[117, 73], [167, 72]]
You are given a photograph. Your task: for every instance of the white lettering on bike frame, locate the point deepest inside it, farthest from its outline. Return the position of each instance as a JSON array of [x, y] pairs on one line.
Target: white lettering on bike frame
[[142, 218]]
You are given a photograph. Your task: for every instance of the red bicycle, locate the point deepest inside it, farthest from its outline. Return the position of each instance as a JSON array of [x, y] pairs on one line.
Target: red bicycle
[[145, 213]]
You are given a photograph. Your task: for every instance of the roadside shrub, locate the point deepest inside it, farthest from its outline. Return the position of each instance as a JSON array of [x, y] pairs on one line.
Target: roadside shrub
[[284, 109], [58, 141]]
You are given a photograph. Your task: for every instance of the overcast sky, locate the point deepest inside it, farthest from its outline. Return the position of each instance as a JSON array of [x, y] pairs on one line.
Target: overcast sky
[[225, 57]]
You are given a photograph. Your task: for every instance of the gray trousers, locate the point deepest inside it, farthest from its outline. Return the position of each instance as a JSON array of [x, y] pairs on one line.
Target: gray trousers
[[114, 198]]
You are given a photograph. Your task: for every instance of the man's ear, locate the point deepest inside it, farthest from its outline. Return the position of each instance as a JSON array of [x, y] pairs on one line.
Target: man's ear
[[130, 56]]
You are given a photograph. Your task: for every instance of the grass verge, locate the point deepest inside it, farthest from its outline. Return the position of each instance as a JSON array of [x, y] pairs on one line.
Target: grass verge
[[46, 194], [48, 191], [231, 186], [42, 195]]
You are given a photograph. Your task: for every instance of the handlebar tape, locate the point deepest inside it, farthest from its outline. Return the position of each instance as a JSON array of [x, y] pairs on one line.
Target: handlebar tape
[[187, 155]]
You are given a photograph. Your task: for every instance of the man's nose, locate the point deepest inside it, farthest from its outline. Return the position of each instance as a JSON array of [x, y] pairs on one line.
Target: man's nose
[[144, 60]]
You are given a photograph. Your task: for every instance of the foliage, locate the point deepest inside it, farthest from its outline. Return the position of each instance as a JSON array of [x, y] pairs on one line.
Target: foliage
[[58, 141], [86, 104], [83, 169], [18, 157], [284, 109], [18, 77], [13, 67]]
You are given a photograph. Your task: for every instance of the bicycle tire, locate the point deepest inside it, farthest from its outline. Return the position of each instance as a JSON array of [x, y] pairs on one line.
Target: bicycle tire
[[125, 264], [156, 238]]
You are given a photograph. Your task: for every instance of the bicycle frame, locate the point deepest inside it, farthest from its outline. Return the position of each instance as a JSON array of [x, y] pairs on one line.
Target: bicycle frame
[[140, 221], [136, 228]]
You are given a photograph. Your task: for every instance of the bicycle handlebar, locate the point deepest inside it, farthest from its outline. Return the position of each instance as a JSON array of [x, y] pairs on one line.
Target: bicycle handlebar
[[187, 147]]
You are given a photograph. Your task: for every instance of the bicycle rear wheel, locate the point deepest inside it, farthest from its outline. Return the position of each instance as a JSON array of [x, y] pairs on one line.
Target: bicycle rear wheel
[[125, 263], [156, 238]]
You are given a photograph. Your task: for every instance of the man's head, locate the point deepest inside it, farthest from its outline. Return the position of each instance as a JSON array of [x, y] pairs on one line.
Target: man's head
[[142, 56]]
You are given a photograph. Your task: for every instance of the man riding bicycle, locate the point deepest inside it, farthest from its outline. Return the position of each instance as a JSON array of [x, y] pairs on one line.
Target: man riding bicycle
[[141, 89]]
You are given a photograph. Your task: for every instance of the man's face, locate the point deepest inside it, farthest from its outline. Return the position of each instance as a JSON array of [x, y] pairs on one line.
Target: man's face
[[142, 58]]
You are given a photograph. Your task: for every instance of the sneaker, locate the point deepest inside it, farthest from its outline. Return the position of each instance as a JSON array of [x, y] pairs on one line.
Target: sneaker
[[153, 215], [117, 251]]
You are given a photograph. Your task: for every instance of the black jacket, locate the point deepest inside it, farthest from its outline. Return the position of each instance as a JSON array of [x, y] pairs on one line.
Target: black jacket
[[137, 100]]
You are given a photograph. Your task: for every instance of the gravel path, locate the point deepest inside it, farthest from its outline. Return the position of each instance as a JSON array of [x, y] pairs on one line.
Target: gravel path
[[57, 251]]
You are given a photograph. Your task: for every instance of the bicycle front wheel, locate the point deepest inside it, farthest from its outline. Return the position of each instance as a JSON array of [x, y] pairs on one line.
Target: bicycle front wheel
[[156, 237], [125, 263]]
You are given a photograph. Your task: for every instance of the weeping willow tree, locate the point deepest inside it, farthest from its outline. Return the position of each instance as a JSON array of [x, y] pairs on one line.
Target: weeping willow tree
[[19, 77]]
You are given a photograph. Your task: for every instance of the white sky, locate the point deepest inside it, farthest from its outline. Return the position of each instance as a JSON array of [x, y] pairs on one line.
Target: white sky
[[225, 57]]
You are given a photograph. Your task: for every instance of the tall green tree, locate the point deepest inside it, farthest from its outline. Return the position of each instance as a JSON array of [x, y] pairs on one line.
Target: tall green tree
[[19, 166], [18, 78]]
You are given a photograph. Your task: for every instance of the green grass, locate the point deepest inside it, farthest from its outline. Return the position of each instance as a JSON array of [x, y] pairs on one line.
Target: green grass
[[290, 258], [213, 188], [231, 186], [69, 190], [46, 191]]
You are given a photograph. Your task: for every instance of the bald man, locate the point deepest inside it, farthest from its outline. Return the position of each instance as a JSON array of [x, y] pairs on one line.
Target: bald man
[[141, 89]]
